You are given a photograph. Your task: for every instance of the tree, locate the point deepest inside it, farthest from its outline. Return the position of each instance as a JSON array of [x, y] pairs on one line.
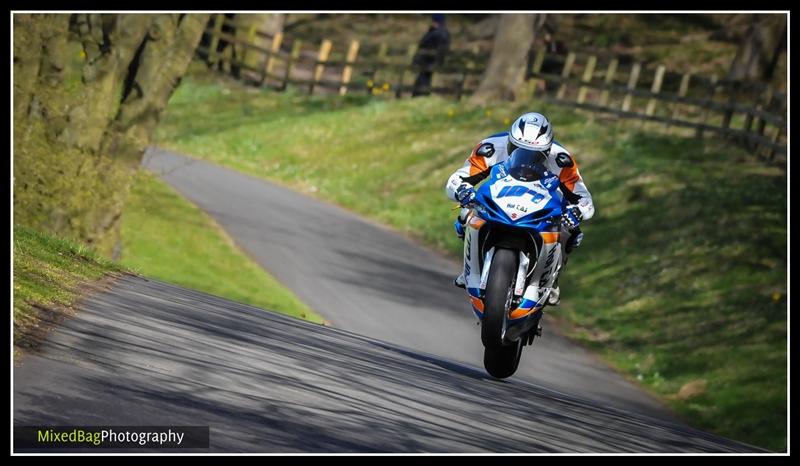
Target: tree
[[760, 49], [507, 64], [89, 90]]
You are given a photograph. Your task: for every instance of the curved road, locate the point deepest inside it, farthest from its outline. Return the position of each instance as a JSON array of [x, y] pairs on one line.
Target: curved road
[[372, 281], [146, 353]]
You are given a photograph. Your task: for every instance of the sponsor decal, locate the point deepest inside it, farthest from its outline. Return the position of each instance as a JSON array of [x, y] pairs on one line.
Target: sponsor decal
[[468, 256], [550, 182], [516, 191], [549, 267]]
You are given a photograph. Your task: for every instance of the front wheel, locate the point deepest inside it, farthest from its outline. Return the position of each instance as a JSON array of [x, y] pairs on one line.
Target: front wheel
[[502, 362], [499, 292]]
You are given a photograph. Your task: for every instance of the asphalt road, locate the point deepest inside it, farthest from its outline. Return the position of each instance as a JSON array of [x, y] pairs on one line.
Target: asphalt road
[[148, 353], [372, 281]]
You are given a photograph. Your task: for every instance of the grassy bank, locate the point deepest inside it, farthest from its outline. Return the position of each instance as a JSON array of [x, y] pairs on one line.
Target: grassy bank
[[48, 275], [681, 281], [166, 237]]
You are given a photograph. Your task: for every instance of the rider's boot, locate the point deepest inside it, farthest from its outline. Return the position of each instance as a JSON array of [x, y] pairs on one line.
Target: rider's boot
[[573, 241], [554, 298]]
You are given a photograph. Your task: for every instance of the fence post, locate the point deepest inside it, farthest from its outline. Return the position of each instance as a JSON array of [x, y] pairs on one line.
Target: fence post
[[757, 98], [352, 53], [212, 51], [610, 72], [767, 102], [761, 122], [775, 139], [383, 50], [733, 89], [700, 129], [476, 50], [464, 75], [295, 55], [655, 89], [251, 39], [324, 52], [587, 77], [565, 74], [537, 68], [632, 80], [682, 90], [269, 63], [412, 50]]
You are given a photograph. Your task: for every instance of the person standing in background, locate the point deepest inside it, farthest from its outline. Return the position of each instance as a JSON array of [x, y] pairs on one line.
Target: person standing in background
[[431, 52]]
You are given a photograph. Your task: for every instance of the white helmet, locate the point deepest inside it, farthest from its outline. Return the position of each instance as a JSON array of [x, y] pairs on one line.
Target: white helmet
[[532, 131]]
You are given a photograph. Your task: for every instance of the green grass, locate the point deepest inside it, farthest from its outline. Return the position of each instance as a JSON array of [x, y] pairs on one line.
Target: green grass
[[166, 237], [48, 273], [681, 281]]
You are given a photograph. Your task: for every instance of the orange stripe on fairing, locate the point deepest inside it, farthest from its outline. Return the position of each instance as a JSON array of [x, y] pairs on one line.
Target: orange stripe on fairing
[[550, 237], [519, 312], [477, 302], [477, 164]]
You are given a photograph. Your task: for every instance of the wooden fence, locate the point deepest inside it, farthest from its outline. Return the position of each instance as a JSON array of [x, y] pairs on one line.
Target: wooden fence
[[753, 115]]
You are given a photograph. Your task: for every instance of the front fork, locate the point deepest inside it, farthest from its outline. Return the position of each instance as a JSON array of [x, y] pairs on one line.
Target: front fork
[[547, 265]]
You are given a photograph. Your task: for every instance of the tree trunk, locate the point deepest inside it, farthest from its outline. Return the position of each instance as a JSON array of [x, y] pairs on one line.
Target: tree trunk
[[505, 73], [88, 92], [760, 48]]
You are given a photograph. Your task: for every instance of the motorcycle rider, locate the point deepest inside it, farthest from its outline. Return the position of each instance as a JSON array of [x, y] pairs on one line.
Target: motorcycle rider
[[532, 131]]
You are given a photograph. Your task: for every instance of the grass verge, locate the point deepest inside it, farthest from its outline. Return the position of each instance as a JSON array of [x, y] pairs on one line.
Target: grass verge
[[49, 273], [680, 283], [166, 237]]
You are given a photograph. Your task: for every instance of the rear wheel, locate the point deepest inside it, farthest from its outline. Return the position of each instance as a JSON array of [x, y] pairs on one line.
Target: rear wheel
[[499, 293]]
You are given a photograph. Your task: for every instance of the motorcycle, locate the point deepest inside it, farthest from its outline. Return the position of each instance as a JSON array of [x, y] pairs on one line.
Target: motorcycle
[[513, 227]]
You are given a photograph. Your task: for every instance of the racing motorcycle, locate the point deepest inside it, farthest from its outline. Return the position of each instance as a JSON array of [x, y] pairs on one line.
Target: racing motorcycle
[[513, 226]]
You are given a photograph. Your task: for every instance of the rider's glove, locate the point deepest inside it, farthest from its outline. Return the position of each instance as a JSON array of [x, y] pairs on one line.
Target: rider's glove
[[571, 217], [465, 194]]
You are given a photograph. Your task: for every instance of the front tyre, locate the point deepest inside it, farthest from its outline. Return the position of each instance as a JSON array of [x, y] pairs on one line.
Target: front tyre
[[499, 292], [502, 362]]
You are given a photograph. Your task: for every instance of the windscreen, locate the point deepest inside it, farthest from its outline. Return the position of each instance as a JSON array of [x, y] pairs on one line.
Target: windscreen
[[526, 165]]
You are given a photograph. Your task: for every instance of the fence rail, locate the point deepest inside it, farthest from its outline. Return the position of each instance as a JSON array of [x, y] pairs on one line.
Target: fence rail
[[750, 114]]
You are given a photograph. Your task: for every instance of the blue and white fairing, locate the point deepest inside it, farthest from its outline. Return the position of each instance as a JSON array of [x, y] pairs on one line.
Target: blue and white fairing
[[522, 204], [532, 203]]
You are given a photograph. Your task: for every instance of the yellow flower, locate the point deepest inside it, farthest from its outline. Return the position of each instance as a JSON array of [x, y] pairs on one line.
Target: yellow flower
[[82, 55], [376, 91], [450, 112], [507, 121], [488, 113], [385, 86], [776, 296], [370, 83]]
